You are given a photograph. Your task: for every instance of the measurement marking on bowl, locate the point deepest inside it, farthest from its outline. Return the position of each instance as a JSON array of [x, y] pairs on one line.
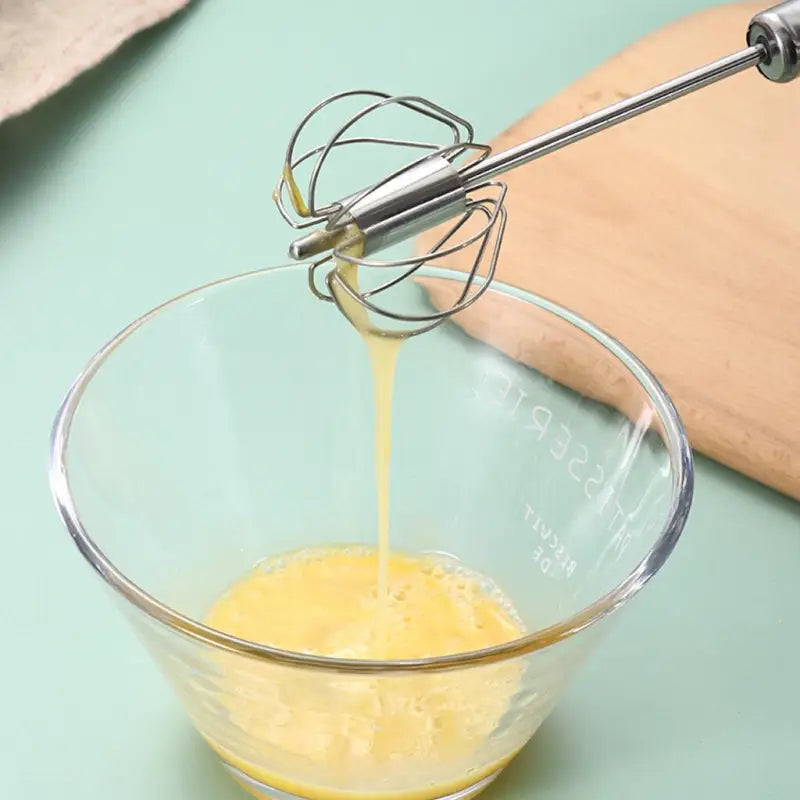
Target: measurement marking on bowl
[[498, 389], [542, 423], [552, 551]]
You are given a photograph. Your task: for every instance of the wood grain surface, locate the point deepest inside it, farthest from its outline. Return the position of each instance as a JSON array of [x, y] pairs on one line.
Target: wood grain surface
[[679, 233]]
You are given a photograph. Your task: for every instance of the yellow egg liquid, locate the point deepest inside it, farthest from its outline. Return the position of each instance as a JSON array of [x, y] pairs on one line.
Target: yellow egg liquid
[[337, 736], [328, 736]]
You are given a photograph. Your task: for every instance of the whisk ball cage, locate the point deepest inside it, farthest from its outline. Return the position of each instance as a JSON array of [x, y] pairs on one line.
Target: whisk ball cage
[[384, 214]]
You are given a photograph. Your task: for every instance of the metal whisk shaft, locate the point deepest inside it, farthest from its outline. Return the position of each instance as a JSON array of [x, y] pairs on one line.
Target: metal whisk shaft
[[613, 115]]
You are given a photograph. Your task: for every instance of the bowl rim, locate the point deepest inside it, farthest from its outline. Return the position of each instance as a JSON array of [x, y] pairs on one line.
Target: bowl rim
[[681, 463]]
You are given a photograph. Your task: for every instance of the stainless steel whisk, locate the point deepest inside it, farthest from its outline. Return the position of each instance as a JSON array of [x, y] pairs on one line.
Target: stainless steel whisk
[[433, 188]]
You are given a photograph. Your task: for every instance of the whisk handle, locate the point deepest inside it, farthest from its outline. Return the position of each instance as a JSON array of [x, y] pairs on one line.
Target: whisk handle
[[778, 30]]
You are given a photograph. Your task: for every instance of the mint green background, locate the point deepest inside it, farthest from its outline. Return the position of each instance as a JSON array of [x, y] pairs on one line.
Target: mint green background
[[153, 174]]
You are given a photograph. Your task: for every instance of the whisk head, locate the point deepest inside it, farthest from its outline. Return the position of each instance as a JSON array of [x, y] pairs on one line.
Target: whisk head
[[426, 191]]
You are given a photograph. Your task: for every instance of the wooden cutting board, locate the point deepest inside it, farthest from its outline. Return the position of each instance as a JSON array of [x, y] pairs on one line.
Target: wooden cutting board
[[679, 233]]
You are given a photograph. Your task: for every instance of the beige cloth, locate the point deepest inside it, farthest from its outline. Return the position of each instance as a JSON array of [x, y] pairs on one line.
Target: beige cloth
[[44, 44]]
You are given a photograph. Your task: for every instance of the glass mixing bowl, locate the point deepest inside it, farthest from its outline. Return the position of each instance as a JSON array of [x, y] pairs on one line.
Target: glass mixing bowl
[[234, 423]]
